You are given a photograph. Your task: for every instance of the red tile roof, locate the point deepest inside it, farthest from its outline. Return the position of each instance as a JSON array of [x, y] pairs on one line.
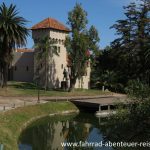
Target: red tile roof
[[22, 50], [50, 23]]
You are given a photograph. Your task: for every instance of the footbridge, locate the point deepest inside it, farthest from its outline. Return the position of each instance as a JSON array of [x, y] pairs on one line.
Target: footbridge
[[101, 102]]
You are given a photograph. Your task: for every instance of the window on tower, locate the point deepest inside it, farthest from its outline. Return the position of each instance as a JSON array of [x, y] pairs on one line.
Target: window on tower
[[62, 66], [58, 49]]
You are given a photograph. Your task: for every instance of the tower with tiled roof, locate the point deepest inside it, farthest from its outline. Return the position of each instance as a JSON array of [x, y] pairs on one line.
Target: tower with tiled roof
[[58, 32]]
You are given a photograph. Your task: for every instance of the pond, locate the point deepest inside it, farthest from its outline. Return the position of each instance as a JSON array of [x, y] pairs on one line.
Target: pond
[[70, 132]]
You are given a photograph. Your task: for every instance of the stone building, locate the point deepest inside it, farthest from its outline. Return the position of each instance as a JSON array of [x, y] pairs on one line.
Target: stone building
[[24, 64], [56, 63], [22, 67]]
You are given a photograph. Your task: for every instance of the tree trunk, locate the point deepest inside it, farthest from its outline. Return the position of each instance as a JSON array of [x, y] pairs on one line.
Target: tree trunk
[[72, 84], [5, 75], [1, 76]]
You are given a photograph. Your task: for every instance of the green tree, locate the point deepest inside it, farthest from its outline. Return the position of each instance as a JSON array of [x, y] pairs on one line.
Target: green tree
[[125, 44], [93, 42], [13, 34], [45, 49], [80, 43], [144, 39], [128, 55], [134, 39]]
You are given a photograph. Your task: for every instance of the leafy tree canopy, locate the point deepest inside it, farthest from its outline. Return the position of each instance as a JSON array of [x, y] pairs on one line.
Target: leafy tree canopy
[[81, 43]]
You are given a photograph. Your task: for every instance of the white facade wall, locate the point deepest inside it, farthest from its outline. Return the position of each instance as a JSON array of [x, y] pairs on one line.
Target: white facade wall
[[84, 82], [60, 61]]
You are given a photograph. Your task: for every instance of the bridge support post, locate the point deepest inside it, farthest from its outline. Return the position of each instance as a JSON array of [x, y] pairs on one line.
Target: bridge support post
[[100, 109], [99, 120], [108, 107], [1, 146], [103, 88]]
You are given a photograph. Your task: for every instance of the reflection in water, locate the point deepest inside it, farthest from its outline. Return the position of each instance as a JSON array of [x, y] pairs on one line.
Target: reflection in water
[[49, 133], [128, 129]]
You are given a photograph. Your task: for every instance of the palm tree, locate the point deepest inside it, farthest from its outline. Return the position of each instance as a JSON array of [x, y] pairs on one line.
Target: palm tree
[[45, 49], [13, 34]]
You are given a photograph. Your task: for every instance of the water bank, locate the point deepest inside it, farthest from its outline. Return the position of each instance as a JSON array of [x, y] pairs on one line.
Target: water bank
[[14, 121]]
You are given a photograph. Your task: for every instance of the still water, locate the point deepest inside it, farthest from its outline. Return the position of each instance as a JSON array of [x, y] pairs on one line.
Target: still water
[[51, 132]]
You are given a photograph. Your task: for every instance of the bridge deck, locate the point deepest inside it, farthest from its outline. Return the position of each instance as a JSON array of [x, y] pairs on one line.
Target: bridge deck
[[104, 100], [96, 102]]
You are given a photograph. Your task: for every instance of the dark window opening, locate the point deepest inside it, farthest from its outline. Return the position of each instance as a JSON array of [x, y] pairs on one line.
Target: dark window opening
[[27, 68], [54, 48], [59, 41], [58, 49], [62, 66]]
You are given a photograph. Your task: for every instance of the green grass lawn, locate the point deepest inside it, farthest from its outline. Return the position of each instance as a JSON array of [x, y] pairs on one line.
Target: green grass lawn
[[12, 122], [30, 89]]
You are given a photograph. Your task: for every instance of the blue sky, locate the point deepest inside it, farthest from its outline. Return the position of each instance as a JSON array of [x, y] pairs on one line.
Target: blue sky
[[101, 13]]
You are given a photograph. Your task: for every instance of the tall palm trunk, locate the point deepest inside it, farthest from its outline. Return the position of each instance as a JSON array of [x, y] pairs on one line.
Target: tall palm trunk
[[1, 77], [5, 75]]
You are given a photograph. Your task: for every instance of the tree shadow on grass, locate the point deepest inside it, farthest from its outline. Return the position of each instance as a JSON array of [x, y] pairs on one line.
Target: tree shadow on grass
[[29, 86], [23, 85]]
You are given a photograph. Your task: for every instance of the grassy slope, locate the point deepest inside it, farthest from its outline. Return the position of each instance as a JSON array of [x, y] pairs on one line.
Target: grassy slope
[[12, 121], [24, 89]]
